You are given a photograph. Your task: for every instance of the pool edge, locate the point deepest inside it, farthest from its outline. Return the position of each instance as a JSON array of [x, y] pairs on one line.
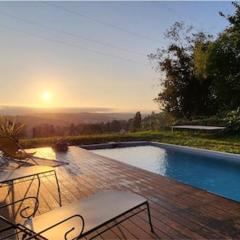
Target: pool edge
[[203, 152]]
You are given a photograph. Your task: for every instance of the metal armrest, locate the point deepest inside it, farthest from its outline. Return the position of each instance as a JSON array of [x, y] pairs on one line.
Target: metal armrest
[[58, 223], [36, 205]]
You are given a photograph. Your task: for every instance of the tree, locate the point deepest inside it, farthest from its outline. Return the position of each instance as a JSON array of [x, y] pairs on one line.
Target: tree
[[157, 121], [137, 121], [224, 64], [185, 92]]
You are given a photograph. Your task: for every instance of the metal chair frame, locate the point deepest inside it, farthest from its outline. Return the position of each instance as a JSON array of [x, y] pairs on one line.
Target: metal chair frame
[[31, 177], [28, 234]]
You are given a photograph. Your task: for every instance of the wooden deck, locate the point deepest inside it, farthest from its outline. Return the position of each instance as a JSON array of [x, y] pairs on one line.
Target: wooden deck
[[178, 211]]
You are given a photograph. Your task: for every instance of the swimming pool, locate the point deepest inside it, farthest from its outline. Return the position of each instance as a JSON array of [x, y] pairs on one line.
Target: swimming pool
[[213, 174]]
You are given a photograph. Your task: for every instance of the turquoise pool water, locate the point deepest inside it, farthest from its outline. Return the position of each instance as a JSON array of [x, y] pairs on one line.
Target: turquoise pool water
[[208, 173]]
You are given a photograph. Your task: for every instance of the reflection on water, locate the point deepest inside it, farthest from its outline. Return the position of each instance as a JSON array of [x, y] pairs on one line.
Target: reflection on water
[[156, 158]]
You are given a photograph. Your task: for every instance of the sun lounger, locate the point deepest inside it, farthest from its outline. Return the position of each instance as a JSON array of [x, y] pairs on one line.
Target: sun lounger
[[12, 151], [93, 215]]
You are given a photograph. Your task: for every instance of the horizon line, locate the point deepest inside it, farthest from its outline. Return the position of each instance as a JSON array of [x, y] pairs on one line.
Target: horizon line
[[33, 109]]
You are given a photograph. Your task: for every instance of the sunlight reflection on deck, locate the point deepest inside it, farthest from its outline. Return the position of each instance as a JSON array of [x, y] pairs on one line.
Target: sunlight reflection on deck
[[44, 152]]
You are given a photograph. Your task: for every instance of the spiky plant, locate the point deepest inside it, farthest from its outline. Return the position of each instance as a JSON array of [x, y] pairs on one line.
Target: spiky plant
[[10, 128]]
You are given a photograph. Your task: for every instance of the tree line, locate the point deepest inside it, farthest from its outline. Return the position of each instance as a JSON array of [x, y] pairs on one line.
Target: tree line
[[153, 121]]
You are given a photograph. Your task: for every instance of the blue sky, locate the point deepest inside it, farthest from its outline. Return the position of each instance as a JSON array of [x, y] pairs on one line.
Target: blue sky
[[90, 54]]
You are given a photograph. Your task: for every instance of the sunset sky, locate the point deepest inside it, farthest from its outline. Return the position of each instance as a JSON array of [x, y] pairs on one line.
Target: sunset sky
[[90, 54]]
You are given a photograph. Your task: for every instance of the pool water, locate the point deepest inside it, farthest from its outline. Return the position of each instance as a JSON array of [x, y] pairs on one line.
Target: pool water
[[208, 173]]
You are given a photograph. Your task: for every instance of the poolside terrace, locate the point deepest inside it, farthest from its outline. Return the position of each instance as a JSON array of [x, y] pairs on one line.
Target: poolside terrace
[[178, 211]]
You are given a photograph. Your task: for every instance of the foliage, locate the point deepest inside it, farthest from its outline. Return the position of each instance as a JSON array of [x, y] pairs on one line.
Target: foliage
[[10, 128], [223, 64], [50, 130], [185, 90], [153, 121], [234, 19], [200, 140], [157, 121], [199, 74], [137, 121], [233, 121]]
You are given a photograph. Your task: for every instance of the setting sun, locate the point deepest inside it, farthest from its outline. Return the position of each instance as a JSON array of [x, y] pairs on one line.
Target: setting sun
[[46, 96]]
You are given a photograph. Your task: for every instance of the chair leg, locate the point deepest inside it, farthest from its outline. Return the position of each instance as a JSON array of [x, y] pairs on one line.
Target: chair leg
[[149, 217], [39, 187], [58, 187]]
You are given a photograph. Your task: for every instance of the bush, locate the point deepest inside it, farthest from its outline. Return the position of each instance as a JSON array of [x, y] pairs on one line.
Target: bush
[[233, 122]]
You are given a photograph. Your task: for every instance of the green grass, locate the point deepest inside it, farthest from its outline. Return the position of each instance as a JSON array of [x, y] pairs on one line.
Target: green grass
[[199, 140]]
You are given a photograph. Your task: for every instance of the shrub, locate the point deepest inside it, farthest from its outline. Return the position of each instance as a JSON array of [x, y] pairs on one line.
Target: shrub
[[233, 122]]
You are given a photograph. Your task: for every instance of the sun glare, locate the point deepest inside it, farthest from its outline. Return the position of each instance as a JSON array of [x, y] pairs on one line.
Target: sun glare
[[46, 96]]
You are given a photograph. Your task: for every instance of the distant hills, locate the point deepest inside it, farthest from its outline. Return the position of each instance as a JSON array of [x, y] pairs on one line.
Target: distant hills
[[18, 110], [62, 116], [62, 119]]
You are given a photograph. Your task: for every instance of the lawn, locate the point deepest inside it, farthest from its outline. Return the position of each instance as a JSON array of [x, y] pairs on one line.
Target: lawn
[[199, 140]]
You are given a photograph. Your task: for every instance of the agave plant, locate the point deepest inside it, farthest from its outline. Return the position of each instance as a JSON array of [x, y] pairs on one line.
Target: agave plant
[[10, 128]]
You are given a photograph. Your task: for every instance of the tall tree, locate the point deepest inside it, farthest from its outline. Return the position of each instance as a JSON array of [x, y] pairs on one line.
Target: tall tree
[[224, 64], [183, 92]]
